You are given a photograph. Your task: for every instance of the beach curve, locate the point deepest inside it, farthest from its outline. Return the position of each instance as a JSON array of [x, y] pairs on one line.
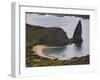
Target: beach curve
[[38, 49]]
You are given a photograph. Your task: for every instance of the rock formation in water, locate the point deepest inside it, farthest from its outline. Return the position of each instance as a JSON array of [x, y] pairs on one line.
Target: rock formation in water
[[77, 36]]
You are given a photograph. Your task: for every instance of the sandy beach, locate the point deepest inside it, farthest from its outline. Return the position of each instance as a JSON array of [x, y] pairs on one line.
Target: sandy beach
[[38, 49]]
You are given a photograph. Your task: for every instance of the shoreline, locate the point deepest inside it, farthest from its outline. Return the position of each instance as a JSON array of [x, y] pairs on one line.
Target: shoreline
[[42, 59], [38, 49]]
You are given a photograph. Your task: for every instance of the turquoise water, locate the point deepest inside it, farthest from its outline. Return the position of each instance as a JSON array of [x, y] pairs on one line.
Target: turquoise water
[[66, 52], [56, 50]]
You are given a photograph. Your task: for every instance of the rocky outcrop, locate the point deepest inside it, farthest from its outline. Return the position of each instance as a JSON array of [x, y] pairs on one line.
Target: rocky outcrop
[[77, 36], [52, 36]]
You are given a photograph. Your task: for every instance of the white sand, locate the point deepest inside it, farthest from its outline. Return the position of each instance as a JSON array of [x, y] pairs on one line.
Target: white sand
[[38, 49]]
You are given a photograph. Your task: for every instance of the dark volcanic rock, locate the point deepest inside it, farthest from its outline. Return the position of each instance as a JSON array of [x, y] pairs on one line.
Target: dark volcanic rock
[[78, 33], [77, 36], [52, 36]]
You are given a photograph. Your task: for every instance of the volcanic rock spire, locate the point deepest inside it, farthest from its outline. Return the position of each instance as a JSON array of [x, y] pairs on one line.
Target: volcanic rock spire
[[77, 36]]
